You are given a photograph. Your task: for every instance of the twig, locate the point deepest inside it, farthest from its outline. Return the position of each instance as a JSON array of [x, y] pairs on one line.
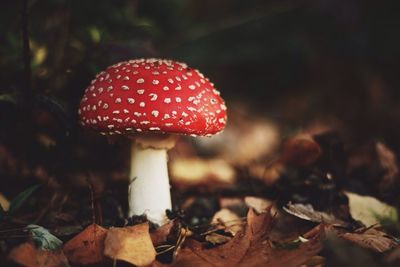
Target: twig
[[91, 200], [26, 50]]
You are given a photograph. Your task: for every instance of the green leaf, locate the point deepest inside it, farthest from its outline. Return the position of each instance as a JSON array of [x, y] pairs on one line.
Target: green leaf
[[42, 238], [20, 199]]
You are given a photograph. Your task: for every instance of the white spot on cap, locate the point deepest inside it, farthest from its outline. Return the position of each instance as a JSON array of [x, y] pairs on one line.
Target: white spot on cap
[[184, 114], [125, 87], [131, 100], [155, 113], [118, 100], [140, 80], [144, 122], [105, 106], [166, 116], [154, 128], [142, 104], [110, 126], [178, 87], [155, 82], [100, 90], [137, 114], [192, 87], [116, 112], [126, 78], [126, 111], [170, 80], [221, 120], [169, 124], [153, 97], [140, 91], [178, 99], [167, 100], [165, 88], [109, 88], [178, 78]]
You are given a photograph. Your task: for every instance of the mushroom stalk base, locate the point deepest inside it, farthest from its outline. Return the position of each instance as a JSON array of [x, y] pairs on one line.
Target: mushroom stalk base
[[149, 189]]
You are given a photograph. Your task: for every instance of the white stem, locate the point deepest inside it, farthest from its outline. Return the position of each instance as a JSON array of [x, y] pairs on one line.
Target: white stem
[[149, 189]]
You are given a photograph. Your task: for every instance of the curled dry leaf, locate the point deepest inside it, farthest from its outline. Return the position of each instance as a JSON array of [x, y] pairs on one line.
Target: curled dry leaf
[[131, 244], [372, 239], [307, 212], [228, 221], [249, 248], [28, 255], [87, 247]]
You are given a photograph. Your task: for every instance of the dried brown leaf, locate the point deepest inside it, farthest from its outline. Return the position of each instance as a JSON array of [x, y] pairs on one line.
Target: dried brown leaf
[[249, 248], [87, 247], [159, 236], [131, 244], [217, 239], [307, 212], [28, 255], [258, 204], [371, 239], [300, 151], [228, 221]]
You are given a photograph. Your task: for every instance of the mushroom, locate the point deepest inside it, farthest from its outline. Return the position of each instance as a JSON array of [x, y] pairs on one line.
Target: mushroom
[[151, 101]]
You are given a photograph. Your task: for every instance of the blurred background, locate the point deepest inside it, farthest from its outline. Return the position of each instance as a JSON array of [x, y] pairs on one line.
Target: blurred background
[[324, 70]]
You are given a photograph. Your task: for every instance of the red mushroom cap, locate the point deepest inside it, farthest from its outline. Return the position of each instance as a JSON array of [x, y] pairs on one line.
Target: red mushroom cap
[[155, 95]]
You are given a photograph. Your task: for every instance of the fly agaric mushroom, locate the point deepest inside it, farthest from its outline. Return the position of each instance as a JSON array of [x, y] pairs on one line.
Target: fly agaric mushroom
[[151, 101]]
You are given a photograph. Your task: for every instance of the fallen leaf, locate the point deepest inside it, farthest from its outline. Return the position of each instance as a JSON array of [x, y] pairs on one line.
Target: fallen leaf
[[388, 161], [371, 239], [300, 151], [160, 235], [249, 248], [369, 210], [307, 212], [87, 247], [131, 244], [28, 255], [42, 238], [228, 221], [217, 239], [258, 204]]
